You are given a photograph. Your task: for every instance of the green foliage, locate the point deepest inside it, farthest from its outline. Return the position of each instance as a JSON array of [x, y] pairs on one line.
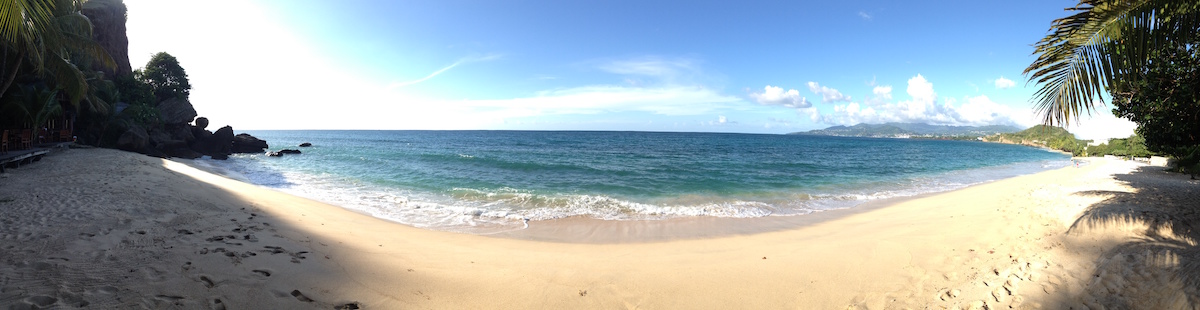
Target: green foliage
[[166, 78], [142, 115], [1165, 101], [31, 104], [1049, 137], [1103, 42], [134, 91], [1134, 146]]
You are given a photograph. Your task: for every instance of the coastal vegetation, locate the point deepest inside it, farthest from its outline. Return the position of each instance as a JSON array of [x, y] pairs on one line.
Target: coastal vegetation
[[1142, 53], [47, 63], [1134, 146], [1165, 100], [60, 81]]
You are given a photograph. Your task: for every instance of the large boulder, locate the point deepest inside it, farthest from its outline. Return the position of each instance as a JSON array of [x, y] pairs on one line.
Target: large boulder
[[215, 145], [202, 122], [176, 111], [245, 143], [158, 136], [222, 140], [182, 132], [134, 139]]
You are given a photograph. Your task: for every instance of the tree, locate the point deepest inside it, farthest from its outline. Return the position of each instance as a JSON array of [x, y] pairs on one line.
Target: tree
[[166, 77], [1165, 100], [1103, 42], [22, 23], [47, 36]]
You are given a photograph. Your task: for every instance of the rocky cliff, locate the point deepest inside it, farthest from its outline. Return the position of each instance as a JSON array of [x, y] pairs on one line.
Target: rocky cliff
[[108, 29]]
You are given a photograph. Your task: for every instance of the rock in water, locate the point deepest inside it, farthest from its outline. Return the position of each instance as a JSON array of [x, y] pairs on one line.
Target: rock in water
[[305, 144], [217, 145], [245, 143], [289, 151]]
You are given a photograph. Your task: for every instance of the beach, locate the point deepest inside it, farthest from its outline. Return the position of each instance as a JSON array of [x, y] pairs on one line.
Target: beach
[[100, 228]]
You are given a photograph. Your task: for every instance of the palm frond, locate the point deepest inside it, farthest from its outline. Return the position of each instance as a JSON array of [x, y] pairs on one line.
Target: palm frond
[[22, 20], [1104, 41], [68, 78]]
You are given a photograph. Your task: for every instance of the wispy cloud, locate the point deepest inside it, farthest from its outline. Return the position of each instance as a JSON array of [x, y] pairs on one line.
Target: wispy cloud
[[442, 70], [827, 94], [655, 70], [864, 15], [675, 100], [1003, 83]]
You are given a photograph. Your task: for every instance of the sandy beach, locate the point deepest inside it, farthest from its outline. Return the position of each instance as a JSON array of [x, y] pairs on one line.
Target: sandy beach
[[106, 229]]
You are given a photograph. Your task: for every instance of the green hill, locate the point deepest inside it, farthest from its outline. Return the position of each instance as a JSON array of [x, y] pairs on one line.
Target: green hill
[[1044, 136]]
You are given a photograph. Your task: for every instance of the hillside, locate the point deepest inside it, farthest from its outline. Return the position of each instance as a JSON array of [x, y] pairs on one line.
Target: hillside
[[1043, 136], [909, 130]]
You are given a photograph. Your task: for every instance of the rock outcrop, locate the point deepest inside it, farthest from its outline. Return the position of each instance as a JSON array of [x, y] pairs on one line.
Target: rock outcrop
[[108, 29], [134, 140], [176, 111], [245, 143]]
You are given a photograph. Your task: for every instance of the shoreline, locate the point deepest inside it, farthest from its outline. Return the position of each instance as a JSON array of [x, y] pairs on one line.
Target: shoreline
[[108, 229], [649, 230]]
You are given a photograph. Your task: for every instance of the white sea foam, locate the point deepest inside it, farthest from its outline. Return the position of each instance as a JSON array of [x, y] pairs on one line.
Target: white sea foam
[[483, 211]]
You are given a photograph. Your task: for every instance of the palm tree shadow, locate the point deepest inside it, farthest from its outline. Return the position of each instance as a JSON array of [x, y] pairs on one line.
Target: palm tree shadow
[[1163, 259]]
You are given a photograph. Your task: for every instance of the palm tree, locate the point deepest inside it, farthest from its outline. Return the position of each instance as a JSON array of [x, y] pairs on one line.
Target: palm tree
[[66, 42], [52, 47], [22, 23], [1103, 43]]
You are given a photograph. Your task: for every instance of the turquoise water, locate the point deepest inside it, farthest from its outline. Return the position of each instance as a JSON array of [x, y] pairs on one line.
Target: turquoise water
[[490, 180]]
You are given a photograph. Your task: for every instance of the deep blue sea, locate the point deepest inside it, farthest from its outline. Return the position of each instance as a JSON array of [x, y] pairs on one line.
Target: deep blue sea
[[497, 180]]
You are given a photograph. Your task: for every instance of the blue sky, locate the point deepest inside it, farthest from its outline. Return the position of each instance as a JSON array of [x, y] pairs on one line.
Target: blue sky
[[759, 67]]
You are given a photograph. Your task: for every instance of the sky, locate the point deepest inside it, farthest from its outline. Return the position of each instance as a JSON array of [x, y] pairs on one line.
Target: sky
[[697, 66]]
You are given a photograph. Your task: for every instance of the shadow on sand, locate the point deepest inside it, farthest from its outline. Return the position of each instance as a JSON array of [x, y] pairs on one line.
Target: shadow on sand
[[1154, 262]]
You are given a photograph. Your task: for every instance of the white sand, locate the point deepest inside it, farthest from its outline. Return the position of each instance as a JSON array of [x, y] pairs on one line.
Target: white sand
[[109, 229]]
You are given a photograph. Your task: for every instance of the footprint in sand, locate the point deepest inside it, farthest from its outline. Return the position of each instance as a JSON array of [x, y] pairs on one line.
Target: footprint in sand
[[300, 296], [41, 301], [217, 304], [265, 273], [169, 298], [348, 306], [207, 282]]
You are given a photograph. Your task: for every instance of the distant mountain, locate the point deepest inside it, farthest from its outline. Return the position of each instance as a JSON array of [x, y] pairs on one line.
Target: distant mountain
[[909, 130]]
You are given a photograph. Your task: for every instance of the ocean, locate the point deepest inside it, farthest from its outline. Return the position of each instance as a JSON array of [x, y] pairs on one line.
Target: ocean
[[491, 181]]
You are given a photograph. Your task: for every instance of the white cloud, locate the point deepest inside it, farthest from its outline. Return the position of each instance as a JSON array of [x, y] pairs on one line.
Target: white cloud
[[1102, 125], [1003, 83], [923, 107], [882, 92], [864, 15], [773, 95], [982, 110], [921, 90], [827, 94]]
